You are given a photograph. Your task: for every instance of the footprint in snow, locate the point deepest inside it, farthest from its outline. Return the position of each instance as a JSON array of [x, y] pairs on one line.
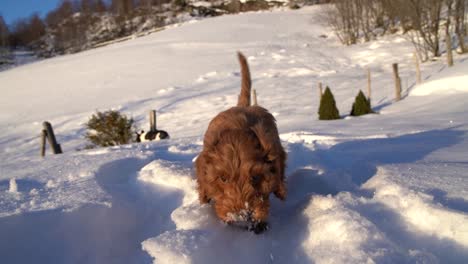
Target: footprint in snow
[[206, 76], [277, 56], [166, 90]]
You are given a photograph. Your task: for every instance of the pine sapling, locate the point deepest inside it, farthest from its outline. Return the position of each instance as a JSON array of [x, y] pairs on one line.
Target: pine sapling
[[361, 105], [327, 109]]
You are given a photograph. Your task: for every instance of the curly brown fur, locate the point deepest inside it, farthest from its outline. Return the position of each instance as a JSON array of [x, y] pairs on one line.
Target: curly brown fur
[[242, 161]]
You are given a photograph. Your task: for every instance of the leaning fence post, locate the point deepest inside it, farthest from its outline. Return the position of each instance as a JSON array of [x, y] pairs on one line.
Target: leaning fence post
[[51, 137], [254, 95], [152, 119], [397, 79], [43, 142]]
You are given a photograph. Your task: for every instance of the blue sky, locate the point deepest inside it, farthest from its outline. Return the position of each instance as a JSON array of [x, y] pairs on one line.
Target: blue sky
[[11, 10]]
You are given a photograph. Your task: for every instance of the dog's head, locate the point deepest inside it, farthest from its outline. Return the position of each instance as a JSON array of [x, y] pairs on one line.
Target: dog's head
[[244, 175]]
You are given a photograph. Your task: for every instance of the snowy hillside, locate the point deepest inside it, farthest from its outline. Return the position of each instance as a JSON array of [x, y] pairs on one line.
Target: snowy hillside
[[385, 188]]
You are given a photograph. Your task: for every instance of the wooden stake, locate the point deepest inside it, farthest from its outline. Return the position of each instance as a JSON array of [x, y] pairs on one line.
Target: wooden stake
[[254, 95], [56, 148], [43, 142], [152, 119], [397, 80], [320, 88], [418, 70], [369, 91]]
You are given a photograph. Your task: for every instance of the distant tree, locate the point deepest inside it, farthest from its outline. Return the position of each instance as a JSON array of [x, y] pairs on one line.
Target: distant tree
[[460, 25], [99, 6], [361, 105], [143, 7], [63, 11], [448, 35], [145, 4], [123, 7], [36, 29], [4, 33], [27, 31], [18, 32], [391, 14], [343, 19], [90, 6], [355, 20], [179, 3], [86, 6], [327, 108], [421, 19]]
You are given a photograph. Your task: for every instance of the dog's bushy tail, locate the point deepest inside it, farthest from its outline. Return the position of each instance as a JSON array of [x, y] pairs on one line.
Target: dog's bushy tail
[[244, 97]]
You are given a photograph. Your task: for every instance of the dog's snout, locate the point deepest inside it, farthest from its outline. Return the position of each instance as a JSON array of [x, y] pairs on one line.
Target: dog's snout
[[246, 215], [259, 227]]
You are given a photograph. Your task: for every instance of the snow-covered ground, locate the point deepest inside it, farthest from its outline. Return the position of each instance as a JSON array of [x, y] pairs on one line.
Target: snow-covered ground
[[384, 188]]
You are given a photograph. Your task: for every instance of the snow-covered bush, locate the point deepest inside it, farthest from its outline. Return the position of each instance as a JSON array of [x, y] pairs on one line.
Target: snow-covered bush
[[361, 105], [327, 108], [110, 128]]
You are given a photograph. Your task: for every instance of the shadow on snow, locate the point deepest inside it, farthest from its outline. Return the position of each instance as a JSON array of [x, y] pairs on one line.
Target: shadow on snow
[[94, 233]]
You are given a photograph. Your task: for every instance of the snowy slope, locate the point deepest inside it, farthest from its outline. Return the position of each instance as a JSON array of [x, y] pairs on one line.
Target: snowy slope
[[385, 188]]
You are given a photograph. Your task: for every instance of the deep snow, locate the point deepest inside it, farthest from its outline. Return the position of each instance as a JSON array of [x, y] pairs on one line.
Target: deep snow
[[384, 188]]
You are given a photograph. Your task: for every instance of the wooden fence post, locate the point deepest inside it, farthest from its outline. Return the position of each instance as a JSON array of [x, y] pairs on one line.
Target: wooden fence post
[[397, 79], [418, 69], [254, 95], [320, 88], [152, 119], [51, 137], [369, 91], [43, 142]]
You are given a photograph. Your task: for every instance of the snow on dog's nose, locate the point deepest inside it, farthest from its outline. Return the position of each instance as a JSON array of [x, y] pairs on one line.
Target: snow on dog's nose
[[244, 220]]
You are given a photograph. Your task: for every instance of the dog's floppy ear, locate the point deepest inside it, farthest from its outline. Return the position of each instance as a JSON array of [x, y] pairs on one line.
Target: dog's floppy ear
[[273, 152], [201, 164], [268, 141], [281, 192]]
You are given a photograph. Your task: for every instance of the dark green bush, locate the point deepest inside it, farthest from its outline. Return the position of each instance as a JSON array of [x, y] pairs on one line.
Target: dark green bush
[[110, 128], [361, 105], [327, 109]]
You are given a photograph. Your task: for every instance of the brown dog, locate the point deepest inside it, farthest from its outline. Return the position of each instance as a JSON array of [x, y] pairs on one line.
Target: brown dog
[[242, 161]]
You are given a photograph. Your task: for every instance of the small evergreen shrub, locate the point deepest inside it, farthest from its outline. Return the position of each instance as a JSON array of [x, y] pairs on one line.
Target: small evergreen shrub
[[361, 105], [110, 128], [327, 109]]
